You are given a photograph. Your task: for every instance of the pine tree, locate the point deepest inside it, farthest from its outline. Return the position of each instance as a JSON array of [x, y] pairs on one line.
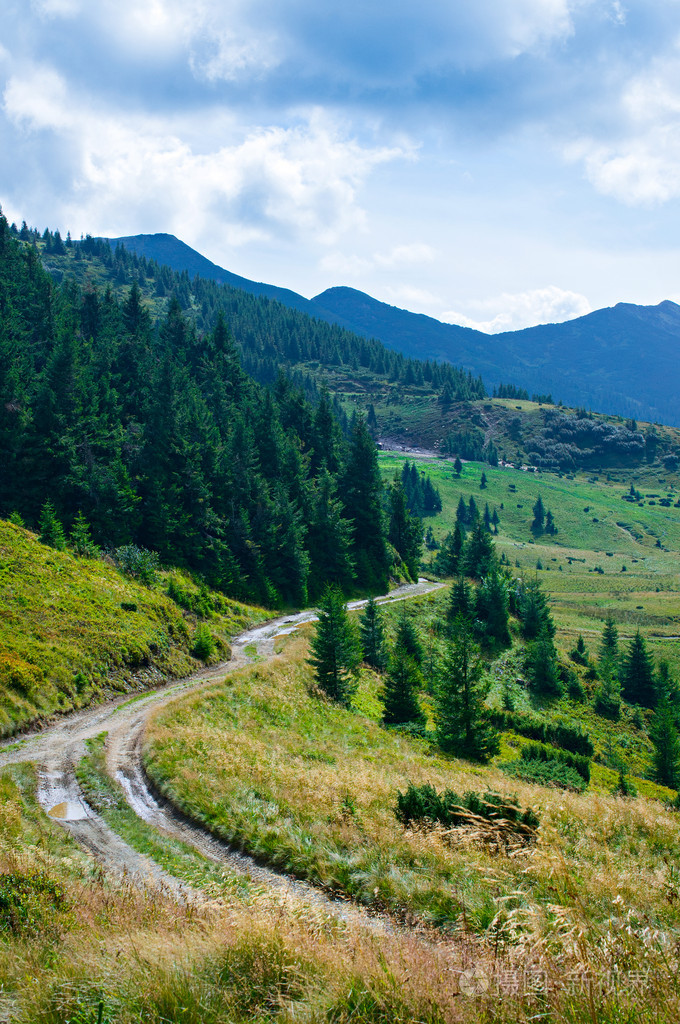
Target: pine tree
[[461, 515], [407, 638], [539, 516], [495, 520], [405, 531], [533, 610], [335, 648], [478, 557], [51, 530], [362, 495], [372, 633], [492, 607], [458, 466], [482, 481], [542, 665], [461, 716], [81, 538], [550, 523], [461, 603], [609, 648], [638, 674], [607, 699], [400, 690], [664, 735]]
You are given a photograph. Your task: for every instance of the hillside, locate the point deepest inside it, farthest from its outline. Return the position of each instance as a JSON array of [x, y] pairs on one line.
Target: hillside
[[620, 360], [410, 403], [74, 630]]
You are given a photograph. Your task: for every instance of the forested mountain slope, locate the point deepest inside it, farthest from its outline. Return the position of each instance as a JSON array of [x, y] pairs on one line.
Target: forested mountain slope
[[620, 360], [408, 402], [153, 429]]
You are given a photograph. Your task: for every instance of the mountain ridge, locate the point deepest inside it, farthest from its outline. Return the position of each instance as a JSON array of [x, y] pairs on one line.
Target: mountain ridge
[[620, 359]]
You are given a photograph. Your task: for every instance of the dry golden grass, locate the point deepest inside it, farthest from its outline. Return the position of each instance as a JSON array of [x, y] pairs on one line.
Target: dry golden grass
[[311, 787]]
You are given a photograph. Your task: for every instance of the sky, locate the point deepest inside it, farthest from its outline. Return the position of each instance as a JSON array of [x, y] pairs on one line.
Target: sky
[[493, 163]]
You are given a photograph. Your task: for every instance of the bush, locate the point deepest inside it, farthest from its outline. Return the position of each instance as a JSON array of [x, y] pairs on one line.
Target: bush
[[140, 563], [546, 773], [540, 752], [423, 804], [28, 903], [557, 733]]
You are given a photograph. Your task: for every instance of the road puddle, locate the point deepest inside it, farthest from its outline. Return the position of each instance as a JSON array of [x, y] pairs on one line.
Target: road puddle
[[68, 811]]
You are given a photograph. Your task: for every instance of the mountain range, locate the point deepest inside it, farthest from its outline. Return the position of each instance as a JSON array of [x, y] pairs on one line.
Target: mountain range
[[622, 359]]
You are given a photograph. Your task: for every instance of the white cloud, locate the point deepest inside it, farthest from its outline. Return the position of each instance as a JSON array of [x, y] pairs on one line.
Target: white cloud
[[298, 181], [512, 312], [642, 165], [353, 265]]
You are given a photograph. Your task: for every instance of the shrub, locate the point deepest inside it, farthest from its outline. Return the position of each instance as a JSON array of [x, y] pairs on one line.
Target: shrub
[[423, 803], [560, 734], [140, 563], [28, 903], [540, 752], [546, 773]]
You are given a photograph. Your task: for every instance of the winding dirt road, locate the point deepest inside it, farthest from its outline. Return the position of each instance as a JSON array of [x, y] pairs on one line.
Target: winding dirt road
[[58, 749]]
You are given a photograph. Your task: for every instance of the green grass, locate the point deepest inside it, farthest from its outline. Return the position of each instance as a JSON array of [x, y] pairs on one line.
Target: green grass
[[310, 788], [179, 859], [72, 629]]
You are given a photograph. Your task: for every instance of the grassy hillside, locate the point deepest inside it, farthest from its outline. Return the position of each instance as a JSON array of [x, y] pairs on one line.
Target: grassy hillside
[[74, 629], [312, 787], [610, 556]]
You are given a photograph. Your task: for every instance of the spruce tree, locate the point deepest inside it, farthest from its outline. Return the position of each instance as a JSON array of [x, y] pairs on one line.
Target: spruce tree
[[407, 638], [335, 648], [637, 676], [664, 735], [461, 716], [542, 665], [461, 603], [539, 516], [372, 634], [609, 645], [405, 530], [492, 607], [458, 466], [478, 557], [81, 538], [400, 690], [361, 493], [51, 530]]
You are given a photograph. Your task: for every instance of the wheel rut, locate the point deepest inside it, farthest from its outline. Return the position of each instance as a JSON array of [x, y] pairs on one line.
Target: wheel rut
[[58, 749]]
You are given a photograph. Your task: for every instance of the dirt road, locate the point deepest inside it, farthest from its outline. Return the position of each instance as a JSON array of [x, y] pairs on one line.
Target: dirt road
[[58, 749]]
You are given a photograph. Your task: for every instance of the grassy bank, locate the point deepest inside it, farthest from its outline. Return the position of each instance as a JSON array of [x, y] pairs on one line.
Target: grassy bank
[[73, 629], [311, 788]]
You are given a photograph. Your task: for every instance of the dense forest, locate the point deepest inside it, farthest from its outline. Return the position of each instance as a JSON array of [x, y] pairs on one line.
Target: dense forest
[[153, 430]]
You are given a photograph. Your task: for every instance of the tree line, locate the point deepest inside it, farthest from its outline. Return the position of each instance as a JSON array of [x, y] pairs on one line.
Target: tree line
[[152, 434]]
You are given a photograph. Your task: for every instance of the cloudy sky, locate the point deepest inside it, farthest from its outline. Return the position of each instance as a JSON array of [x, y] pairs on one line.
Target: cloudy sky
[[496, 163]]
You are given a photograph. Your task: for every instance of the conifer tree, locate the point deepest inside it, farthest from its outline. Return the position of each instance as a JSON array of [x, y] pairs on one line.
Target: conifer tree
[[609, 647], [81, 538], [372, 633], [461, 514], [550, 523], [51, 530], [539, 516], [407, 638], [400, 690], [492, 607], [461, 603], [335, 648], [637, 676], [461, 716], [478, 557], [607, 699], [405, 530], [542, 665], [458, 466], [362, 493], [664, 735], [482, 481]]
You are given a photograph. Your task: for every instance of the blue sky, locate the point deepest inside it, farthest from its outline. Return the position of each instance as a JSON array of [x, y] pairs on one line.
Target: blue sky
[[496, 163]]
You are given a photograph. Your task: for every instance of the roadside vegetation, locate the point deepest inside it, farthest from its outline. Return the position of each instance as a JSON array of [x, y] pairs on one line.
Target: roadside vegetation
[[75, 629]]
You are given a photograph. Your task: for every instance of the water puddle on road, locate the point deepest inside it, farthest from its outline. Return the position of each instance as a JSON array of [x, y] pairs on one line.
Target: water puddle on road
[[68, 811]]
